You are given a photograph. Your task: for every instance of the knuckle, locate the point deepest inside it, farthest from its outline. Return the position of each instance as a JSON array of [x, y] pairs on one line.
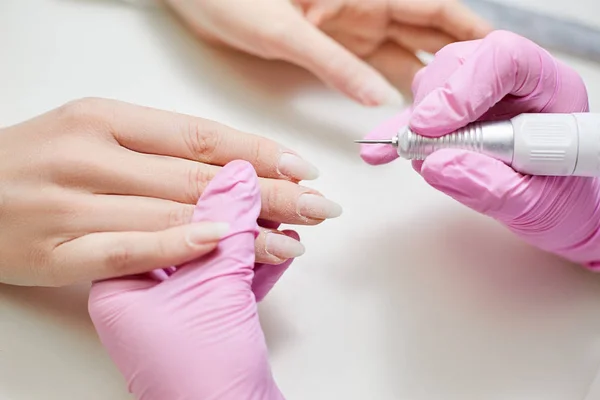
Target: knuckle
[[43, 270], [119, 258], [256, 152], [198, 178], [180, 215], [89, 114], [274, 203], [202, 139], [80, 110], [163, 249]]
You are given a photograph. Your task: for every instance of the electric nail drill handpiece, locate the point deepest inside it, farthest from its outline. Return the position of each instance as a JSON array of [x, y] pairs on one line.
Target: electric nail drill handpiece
[[532, 144]]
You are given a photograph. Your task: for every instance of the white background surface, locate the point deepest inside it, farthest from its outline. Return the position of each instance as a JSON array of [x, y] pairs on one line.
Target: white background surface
[[406, 296]]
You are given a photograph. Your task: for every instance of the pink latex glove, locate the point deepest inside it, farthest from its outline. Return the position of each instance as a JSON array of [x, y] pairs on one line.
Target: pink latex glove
[[196, 334], [499, 77]]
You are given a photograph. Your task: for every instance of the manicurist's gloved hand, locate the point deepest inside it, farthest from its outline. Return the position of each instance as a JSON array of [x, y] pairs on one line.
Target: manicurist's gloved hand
[[364, 49], [99, 188], [192, 332], [500, 77]]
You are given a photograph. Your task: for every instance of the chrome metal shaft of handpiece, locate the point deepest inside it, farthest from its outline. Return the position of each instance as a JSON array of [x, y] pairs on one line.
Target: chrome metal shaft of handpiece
[[491, 138]]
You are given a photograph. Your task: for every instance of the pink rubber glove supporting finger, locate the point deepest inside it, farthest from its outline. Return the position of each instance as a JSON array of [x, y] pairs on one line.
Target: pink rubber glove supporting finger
[[499, 77], [196, 334]]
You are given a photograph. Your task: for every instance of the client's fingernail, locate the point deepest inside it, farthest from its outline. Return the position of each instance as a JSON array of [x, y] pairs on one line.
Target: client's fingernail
[[379, 92], [483, 29], [314, 206], [282, 246], [206, 232], [295, 167]]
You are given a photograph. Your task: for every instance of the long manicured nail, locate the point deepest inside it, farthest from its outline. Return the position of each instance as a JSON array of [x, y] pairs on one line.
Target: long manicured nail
[[295, 167], [207, 232], [282, 246], [379, 92], [314, 206], [483, 29]]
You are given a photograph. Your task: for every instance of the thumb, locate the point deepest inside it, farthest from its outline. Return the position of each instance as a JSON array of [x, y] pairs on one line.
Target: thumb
[[481, 183], [312, 49], [376, 154]]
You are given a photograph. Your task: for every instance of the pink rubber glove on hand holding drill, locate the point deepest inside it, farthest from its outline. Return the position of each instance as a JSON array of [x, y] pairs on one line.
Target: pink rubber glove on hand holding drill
[[196, 334], [500, 77]]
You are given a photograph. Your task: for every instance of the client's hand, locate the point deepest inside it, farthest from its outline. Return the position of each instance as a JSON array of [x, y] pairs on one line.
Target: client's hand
[[498, 78], [195, 333], [361, 48], [99, 188]]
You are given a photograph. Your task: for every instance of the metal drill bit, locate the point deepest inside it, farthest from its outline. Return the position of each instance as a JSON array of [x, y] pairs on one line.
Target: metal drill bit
[[376, 141]]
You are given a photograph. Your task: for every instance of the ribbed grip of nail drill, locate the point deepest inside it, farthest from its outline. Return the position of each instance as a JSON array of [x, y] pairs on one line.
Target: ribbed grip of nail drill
[[545, 144]]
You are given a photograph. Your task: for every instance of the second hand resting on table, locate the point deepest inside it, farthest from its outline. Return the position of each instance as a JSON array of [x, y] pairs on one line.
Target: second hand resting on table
[[206, 310], [364, 49]]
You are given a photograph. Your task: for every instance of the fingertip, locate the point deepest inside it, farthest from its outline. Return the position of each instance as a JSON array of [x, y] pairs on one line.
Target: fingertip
[[381, 97], [376, 154], [206, 233], [282, 246], [291, 233], [276, 247], [232, 197], [397, 97], [204, 248], [335, 65], [367, 85], [239, 170]]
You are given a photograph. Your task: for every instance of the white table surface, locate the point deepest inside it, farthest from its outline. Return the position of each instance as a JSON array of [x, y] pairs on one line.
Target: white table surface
[[406, 296]]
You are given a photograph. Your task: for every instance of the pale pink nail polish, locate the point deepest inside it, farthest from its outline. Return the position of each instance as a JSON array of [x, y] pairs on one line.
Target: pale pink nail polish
[[314, 206]]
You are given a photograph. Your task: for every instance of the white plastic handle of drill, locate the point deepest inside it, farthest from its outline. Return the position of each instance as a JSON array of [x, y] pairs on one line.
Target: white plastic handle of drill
[[557, 144]]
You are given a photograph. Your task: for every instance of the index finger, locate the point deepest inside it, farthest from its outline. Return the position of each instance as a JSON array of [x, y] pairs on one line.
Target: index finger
[[450, 16], [153, 131]]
